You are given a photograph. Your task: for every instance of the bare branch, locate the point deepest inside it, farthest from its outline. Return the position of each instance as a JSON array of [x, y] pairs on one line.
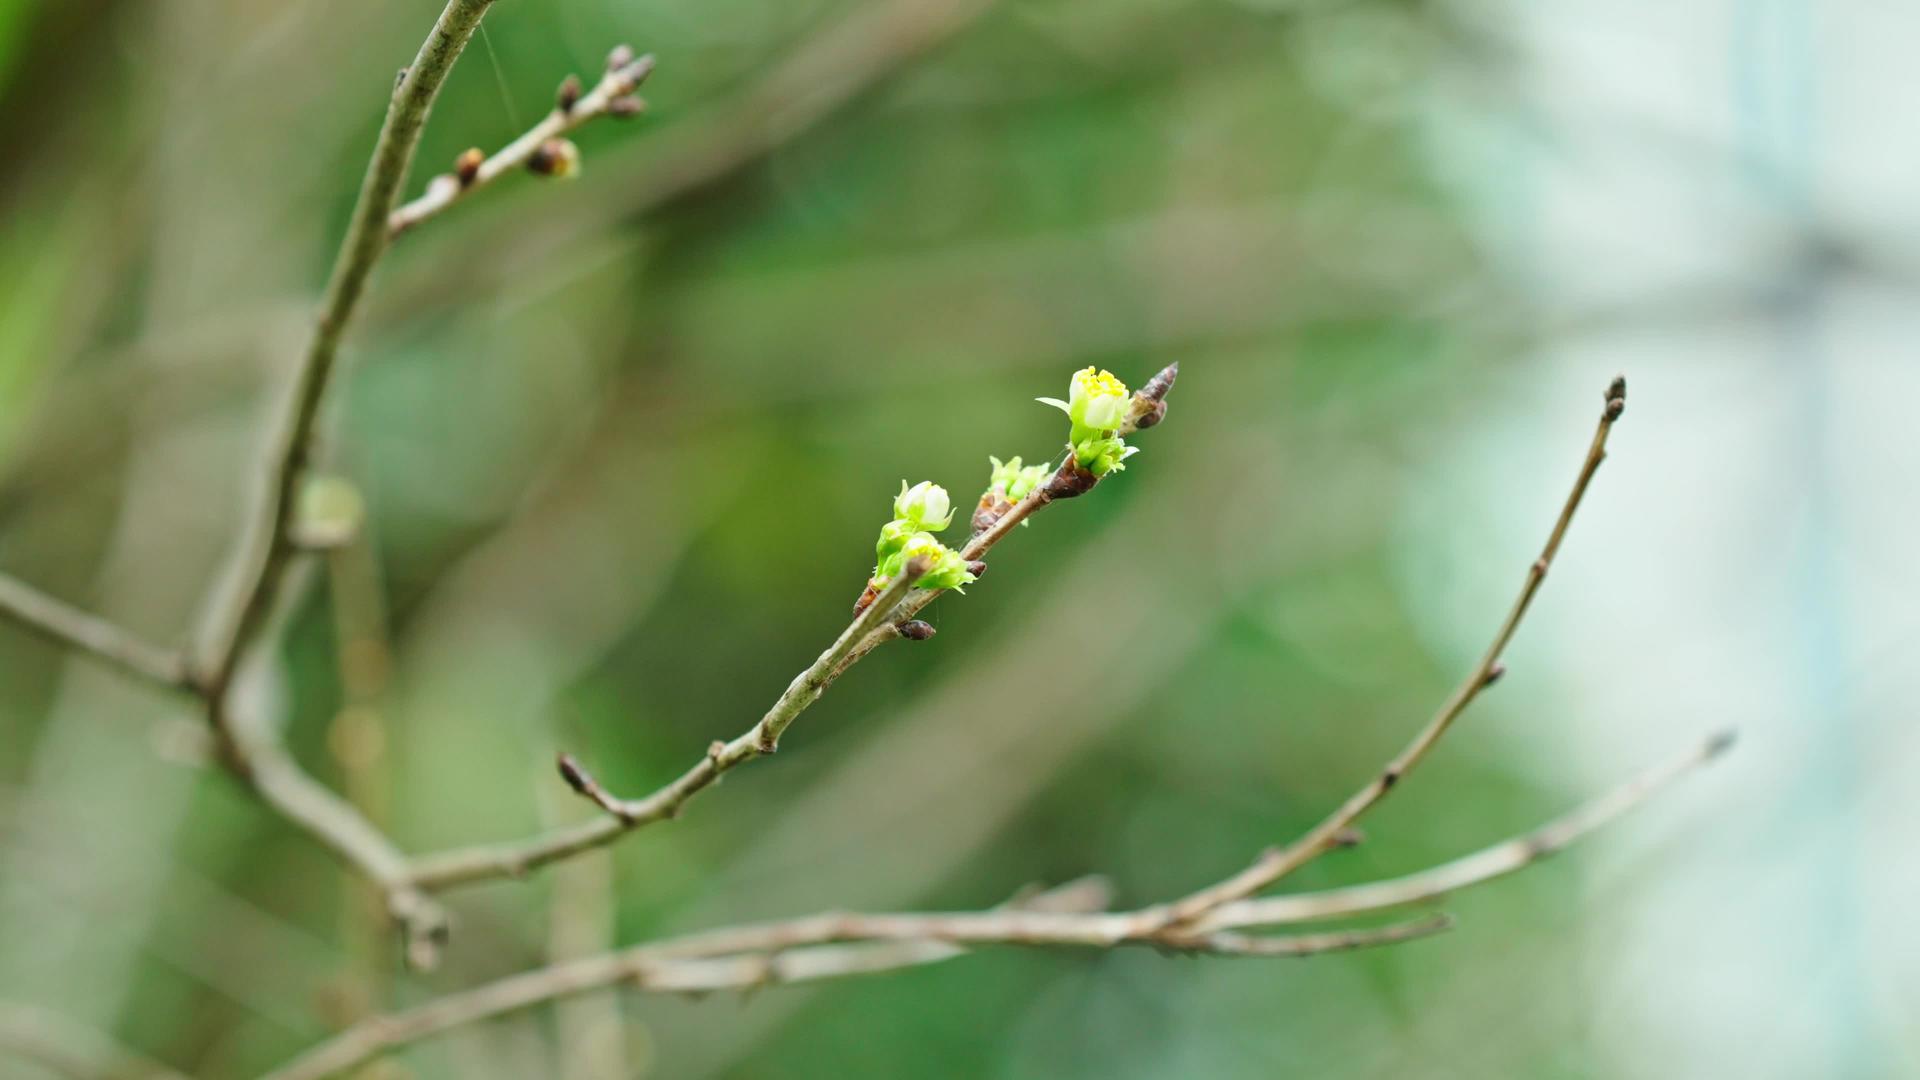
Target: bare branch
[[818, 947], [310, 806], [1482, 866], [516, 859], [1279, 862], [257, 759], [102, 639], [613, 95], [268, 553]]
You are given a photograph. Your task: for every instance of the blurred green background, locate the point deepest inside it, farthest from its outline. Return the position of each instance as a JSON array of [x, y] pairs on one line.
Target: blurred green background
[[625, 442]]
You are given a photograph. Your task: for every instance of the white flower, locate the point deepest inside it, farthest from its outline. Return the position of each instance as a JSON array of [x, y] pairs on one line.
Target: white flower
[[925, 505]]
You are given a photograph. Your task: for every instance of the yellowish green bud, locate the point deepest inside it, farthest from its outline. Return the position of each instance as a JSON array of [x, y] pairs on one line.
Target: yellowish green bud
[[1014, 481]]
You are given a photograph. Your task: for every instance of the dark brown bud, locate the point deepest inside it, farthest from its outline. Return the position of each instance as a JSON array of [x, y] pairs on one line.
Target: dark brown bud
[[624, 107], [575, 776], [1161, 384], [555, 157], [467, 165], [620, 57], [569, 93], [1151, 412], [916, 630], [1616, 397], [991, 508], [1494, 674], [1072, 479]]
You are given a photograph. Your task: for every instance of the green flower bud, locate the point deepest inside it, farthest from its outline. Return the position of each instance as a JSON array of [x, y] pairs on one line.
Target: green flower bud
[[925, 505], [1014, 482], [893, 536], [946, 569]]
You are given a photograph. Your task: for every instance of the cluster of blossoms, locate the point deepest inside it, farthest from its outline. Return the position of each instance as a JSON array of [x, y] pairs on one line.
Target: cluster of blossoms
[[1099, 405], [919, 512], [1100, 408]]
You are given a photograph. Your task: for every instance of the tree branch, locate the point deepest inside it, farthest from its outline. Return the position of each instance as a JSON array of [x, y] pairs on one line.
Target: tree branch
[[1482, 866], [268, 548], [613, 94], [825, 946], [272, 546], [880, 621], [518, 858], [102, 639], [1279, 862]]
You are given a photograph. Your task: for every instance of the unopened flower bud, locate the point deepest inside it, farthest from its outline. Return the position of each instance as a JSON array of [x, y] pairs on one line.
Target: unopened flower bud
[[925, 505], [1098, 405]]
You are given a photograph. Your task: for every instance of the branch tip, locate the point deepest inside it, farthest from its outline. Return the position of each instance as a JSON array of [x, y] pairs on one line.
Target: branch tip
[[1616, 398], [1721, 741], [575, 775]]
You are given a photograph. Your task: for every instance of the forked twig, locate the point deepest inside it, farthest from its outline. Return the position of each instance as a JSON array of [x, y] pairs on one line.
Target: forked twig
[[1487, 864], [1277, 863], [801, 950], [611, 96], [267, 551]]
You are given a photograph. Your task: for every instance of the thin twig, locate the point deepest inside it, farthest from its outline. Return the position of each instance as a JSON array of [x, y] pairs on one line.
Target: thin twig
[[516, 859], [783, 100], [816, 947], [337, 825], [271, 548], [616, 86], [257, 758], [1482, 866], [1277, 863], [92, 635]]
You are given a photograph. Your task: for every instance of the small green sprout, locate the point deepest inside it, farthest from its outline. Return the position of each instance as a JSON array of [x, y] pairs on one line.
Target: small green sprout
[[1013, 481]]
